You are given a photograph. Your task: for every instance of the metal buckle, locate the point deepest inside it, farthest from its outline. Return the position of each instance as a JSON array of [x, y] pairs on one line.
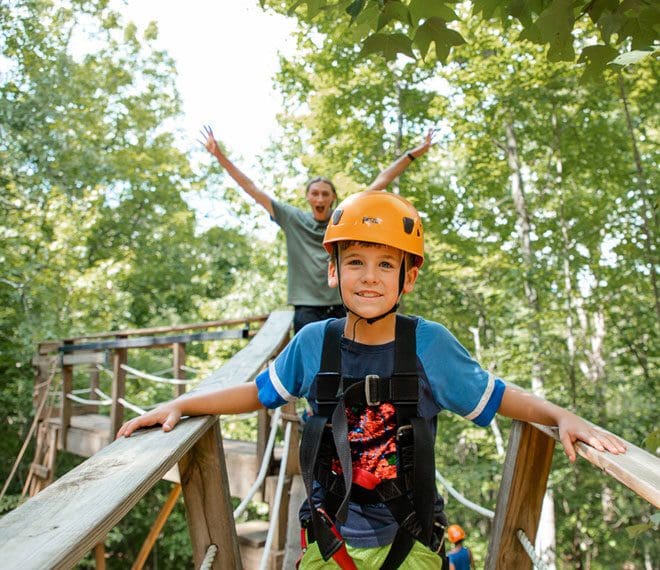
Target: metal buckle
[[367, 389]]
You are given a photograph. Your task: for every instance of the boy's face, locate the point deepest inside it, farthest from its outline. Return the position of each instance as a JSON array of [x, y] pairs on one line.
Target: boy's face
[[370, 277], [320, 197]]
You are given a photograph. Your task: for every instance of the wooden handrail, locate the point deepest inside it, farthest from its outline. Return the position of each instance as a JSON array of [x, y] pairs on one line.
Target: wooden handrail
[[57, 527]]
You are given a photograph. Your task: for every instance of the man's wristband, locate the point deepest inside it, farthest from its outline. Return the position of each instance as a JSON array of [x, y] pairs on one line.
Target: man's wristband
[[411, 156]]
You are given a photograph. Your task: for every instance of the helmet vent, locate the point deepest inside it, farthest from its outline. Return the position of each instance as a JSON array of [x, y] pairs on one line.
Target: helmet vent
[[408, 225], [337, 216]]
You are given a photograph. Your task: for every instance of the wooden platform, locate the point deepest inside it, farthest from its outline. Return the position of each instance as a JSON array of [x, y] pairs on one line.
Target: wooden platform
[[89, 433]]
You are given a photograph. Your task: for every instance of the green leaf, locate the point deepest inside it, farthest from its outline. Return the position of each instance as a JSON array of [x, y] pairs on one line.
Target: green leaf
[[637, 529], [486, 8], [355, 8], [435, 30], [313, 7], [556, 25], [393, 10], [387, 45], [652, 442], [595, 58], [632, 57], [423, 9]]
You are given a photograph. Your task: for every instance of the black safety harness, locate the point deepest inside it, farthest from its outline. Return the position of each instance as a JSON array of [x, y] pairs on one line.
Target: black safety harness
[[411, 496]]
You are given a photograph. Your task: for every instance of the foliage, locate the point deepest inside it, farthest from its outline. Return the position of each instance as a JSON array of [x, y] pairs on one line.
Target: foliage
[[409, 27]]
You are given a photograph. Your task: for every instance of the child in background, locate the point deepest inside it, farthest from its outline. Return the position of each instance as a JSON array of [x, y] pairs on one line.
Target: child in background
[[460, 557]]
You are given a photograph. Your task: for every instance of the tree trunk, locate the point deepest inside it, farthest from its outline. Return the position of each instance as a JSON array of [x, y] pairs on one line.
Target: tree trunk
[[546, 536], [649, 212]]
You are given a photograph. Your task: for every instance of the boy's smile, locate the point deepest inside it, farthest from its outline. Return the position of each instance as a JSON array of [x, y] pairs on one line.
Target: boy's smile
[[369, 278]]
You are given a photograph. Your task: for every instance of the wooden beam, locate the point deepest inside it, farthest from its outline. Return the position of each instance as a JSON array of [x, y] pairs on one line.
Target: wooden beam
[[179, 360], [158, 525], [119, 357], [65, 406], [150, 341], [208, 503], [524, 479]]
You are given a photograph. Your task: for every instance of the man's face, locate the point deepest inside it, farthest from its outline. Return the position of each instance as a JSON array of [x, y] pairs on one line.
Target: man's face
[[320, 197]]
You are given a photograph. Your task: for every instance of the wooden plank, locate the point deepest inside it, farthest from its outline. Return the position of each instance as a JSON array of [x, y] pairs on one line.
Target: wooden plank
[[524, 479], [60, 525], [163, 329], [57, 527], [206, 496], [637, 469], [85, 357], [149, 341]]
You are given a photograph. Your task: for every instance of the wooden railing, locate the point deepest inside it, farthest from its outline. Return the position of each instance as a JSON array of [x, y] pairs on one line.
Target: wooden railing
[[524, 480], [57, 527]]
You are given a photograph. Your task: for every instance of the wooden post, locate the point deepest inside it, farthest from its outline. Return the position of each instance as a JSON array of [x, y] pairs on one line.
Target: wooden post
[[119, 357], [99, 556], [524, 479], [208, 506], [160, 521], [67, 387], [179, 360]]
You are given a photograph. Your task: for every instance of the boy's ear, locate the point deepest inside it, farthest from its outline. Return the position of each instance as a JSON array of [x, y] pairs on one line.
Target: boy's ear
[[333, 280], [411, 277]]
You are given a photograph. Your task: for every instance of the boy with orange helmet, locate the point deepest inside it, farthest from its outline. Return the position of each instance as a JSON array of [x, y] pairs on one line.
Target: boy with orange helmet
[[376, 381], [460, 557]]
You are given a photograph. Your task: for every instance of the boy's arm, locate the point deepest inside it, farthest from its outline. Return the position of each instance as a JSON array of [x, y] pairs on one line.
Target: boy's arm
[[234, 400], [383, 180], [521, 405], [241, 179]]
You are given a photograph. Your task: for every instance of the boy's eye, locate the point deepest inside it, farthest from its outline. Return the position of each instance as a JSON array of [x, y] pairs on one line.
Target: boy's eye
[[354, 262], [386, 265]]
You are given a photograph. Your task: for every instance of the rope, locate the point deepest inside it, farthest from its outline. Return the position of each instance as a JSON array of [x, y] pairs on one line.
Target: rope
[[274, 514], [529, 549], [188, 369], [209, 557], [35, 421], [131, 407], [87, 402], [461, 499], [153, 377], [264, 465]]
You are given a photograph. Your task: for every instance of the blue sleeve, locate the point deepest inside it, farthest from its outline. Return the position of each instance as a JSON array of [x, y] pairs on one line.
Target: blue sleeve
[[458, 382], [290, 375]]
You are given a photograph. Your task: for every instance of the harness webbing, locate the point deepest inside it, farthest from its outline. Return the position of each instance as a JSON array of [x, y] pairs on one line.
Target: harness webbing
[[414, 446]]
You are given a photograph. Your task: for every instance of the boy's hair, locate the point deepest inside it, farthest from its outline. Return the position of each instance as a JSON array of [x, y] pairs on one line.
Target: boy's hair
[[409, 258]]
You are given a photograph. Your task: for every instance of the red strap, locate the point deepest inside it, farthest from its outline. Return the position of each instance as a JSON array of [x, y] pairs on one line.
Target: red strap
[[365, 478]]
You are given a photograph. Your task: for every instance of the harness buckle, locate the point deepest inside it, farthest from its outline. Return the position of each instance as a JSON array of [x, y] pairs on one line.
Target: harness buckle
[[369, 378]]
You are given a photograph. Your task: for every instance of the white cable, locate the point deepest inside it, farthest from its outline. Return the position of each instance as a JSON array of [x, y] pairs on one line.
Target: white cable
[[87, 402], [275, 511], [132, 407], [153, 377], [461, 499], [264, 465]]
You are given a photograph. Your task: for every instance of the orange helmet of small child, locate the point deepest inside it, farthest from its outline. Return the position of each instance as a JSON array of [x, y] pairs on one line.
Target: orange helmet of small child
[[455, 533], [378, 217]]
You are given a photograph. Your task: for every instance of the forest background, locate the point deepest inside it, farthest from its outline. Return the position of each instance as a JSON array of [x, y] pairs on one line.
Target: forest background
[[539, 207]]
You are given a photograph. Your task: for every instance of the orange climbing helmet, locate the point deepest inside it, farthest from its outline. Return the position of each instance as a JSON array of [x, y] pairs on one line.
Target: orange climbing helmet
[[377, 217], [455, 533]]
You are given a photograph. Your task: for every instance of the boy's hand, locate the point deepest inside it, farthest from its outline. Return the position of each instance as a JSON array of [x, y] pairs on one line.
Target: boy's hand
[[167, 415], [573, 428]]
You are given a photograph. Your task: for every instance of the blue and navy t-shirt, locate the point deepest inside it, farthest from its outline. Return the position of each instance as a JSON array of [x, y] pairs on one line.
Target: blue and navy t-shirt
[[449, 380]]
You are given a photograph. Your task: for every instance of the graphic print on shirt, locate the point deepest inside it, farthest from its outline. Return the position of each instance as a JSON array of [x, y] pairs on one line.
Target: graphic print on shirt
[[372, 437]]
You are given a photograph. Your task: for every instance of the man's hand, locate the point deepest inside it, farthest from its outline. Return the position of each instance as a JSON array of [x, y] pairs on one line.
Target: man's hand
[[572, 428], [429, 141], [209, 141]]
